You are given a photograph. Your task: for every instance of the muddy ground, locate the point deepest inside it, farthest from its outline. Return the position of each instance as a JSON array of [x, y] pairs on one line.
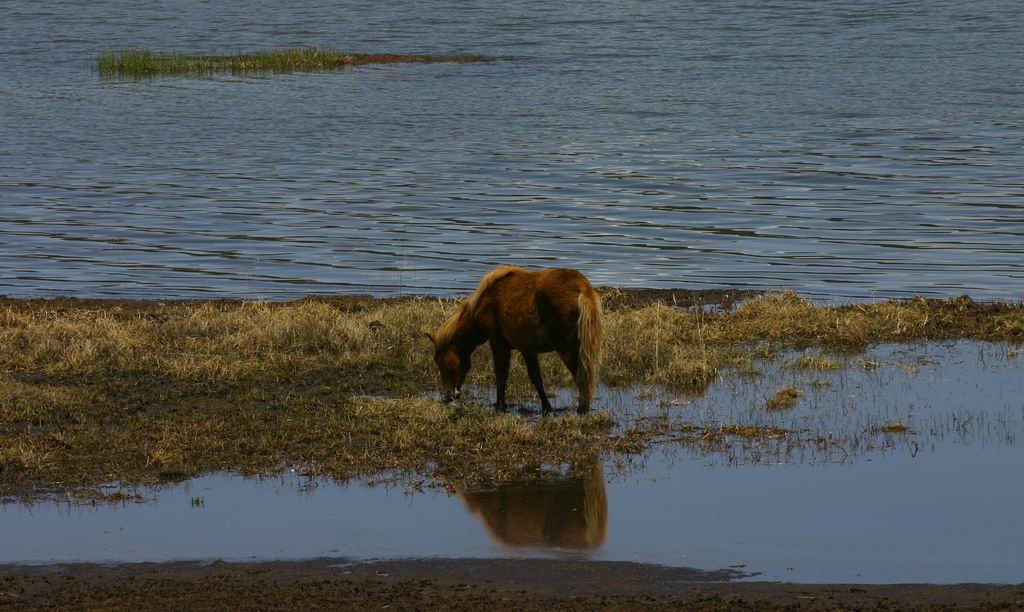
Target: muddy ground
[[498, 584]]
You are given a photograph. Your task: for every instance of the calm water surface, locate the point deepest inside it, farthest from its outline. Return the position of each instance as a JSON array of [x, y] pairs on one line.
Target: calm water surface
[[941, 504], [846, 149]]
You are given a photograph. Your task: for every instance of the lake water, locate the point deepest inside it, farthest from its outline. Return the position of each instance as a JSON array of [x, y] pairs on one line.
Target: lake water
[[846, 149], [938, 505]]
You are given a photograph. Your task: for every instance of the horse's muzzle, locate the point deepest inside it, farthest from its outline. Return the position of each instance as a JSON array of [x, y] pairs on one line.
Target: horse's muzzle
[[452, 395]]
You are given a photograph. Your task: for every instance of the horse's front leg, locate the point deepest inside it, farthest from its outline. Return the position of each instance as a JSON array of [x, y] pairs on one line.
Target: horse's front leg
[[502, 355], [533, 368]]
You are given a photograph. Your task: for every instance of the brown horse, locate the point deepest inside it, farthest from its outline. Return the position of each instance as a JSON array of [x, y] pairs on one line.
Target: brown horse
[[532, 312]]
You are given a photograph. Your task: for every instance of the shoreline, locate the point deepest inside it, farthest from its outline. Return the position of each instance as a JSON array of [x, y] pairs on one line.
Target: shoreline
[[505, 584], [612, 296]]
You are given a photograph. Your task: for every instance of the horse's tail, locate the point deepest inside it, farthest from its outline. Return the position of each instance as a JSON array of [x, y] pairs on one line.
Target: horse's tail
[[589, 327]]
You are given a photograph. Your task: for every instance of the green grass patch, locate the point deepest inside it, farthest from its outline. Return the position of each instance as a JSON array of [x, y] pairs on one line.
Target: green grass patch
[[142, 63]]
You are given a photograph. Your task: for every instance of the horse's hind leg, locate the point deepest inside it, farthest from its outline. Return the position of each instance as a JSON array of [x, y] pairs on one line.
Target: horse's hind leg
[[571, 359], [502, 355], [533, 369]]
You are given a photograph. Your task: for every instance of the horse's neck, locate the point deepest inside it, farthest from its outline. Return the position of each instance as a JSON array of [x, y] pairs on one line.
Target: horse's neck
[[468, 334]]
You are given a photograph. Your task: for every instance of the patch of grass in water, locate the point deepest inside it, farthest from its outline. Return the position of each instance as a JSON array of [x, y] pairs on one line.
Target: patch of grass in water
[[815, 363], [785, 398], [744, 431], [893, 428], [95, 497], [709, 437], [142, 62]]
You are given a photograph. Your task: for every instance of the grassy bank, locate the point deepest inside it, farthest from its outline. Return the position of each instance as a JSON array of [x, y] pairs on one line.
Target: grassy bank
[[94, 391], [141, 62]]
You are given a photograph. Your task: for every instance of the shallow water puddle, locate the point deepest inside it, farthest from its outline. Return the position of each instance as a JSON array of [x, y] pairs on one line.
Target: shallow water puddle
[[840, 502]]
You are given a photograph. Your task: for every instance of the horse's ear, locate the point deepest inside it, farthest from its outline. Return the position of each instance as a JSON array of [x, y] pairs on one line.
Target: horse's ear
[[432, 337]]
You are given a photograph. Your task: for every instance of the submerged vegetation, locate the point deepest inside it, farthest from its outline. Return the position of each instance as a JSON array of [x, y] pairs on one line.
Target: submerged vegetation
[[784, 399], [95, 391], [817, 363], [141, 62], [894, 428]]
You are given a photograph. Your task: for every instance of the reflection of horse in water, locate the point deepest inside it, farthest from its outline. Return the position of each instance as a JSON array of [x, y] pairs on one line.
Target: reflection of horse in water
[[564, 513]]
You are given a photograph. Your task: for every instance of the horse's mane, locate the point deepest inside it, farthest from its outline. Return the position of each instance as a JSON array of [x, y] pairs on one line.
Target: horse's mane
[[468, 306]]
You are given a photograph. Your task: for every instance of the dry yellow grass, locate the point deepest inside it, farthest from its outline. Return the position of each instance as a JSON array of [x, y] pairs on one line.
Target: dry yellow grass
[[894, 428], [785, 398], [380, 343], [93, 390], [816, 363]]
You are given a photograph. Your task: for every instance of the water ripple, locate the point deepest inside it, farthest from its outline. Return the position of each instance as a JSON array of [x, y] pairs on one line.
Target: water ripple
[[847, 150]]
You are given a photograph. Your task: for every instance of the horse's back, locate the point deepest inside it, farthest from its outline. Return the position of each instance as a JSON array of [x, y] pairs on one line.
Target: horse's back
[[557, 302], [561, 288], [535, 311]]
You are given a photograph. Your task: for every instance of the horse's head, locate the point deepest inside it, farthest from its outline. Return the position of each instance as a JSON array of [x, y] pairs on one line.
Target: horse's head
[[453, 365]]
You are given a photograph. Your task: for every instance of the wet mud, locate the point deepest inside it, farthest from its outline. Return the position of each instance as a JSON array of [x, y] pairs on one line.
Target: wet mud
[[522, 584]]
